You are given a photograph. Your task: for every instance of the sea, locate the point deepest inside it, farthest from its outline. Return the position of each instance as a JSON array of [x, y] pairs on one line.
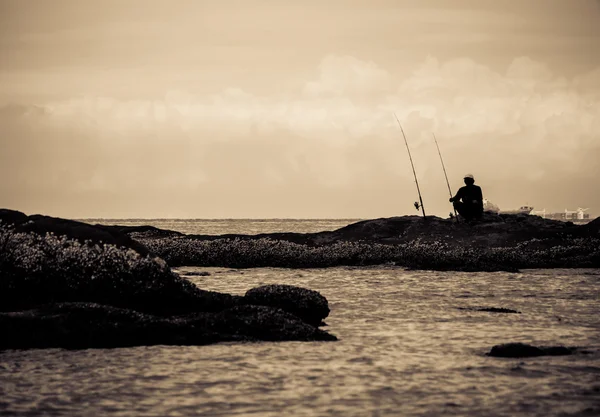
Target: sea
[[411, 343]]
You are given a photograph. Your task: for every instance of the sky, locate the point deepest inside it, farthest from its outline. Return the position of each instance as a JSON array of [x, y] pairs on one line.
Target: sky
[[285, 109]]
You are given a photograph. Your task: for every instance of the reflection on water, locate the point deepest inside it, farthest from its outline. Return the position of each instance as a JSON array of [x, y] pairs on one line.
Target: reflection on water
[[405, 348]]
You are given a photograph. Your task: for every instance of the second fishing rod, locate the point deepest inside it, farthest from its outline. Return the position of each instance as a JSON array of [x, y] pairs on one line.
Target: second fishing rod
[[417, 205], [445, 175]]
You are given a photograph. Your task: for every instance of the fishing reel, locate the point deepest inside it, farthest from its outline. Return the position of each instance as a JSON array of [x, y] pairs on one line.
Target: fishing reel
[[417, 205]]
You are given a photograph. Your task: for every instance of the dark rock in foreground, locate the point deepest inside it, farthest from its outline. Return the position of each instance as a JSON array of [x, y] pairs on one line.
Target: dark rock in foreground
[[522, 350], [254, 322], [86, 325], [309, 305], [36, 270], [62, 285]]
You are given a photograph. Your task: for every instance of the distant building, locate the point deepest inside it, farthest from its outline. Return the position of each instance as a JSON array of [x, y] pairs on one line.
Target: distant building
[[567, 215], [575, 216]]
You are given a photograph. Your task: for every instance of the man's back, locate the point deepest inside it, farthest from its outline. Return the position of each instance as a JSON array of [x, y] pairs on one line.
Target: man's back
[[471, 205], [471, 194]]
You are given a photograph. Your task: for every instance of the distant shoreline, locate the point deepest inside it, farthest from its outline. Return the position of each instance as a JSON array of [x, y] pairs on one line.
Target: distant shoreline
[[496, 242]]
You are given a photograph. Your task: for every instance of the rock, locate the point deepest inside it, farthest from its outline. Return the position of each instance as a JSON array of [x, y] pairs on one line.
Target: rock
[[255, 322], [515, 350], [558, 350], [307, 304], [491, 309], [140, 231], [72, 229], [88, 325], [491, 229], [506, 242], [498, 310], [197, 273], [82, 325], [74, 292], [593, 227], [522, 350], [38, 270], [11, 217]]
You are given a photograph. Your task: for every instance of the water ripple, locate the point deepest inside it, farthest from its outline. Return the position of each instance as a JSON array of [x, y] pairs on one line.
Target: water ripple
[[407, 347]]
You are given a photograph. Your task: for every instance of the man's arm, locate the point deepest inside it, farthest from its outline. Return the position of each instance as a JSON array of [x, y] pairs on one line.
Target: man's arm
[[458, 195]]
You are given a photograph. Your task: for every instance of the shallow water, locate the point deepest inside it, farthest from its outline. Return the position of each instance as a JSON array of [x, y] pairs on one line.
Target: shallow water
[[405, 348]]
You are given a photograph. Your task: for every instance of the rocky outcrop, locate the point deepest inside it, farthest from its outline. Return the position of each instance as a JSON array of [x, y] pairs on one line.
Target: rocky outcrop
[[36, 270], [307, 304], [80, 231], [522, 350], [87, 325], [62, 285], [506, 242], [496, 242], [492, 230], [257, 322]]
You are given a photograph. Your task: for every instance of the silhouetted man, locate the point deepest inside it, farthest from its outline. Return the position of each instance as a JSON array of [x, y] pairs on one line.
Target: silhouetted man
[[468, 200]]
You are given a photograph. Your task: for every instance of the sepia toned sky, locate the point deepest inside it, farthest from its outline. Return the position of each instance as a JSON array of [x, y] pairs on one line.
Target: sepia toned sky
[[276, 109]]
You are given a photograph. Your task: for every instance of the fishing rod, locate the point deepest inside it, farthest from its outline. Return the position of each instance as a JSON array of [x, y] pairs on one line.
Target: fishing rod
[[444, 168], [413, 169]]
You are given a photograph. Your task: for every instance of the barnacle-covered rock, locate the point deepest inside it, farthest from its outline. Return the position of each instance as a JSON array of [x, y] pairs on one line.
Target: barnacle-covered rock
[[307, 304], [80, 231], [58, 291], [37, 269], [496, 243]]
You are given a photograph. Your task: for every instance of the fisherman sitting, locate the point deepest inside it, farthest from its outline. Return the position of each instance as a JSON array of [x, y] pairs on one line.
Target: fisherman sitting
[[468, 201]]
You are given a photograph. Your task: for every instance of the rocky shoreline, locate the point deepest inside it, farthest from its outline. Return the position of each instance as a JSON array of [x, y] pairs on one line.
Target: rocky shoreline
[[69, 284], [507, 242]]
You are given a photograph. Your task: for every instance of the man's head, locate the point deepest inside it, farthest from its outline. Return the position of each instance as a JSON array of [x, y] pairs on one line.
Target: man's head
[[469, 179]]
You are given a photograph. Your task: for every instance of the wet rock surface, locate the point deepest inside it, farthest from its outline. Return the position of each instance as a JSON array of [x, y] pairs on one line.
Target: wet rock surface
[[307, 304], [257, 322], [63, 285], [523, 350], [88, 325]]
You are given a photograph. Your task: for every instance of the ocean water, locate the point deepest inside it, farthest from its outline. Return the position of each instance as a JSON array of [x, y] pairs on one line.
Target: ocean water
[[232, 226], [407, 347]]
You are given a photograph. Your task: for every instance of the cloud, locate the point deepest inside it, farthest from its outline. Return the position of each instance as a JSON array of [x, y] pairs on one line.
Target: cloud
[[525, 68], [521, 132], [347, 75]]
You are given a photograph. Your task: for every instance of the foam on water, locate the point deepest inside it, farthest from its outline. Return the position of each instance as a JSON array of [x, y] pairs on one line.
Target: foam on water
[[406, 348]]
